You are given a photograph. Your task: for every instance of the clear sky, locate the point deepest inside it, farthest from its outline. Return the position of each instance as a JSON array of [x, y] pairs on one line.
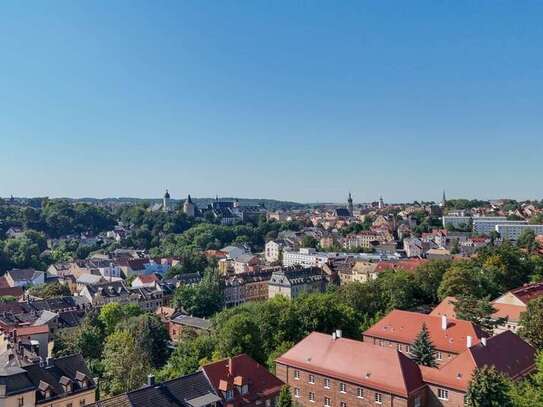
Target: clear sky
[[298, 100]]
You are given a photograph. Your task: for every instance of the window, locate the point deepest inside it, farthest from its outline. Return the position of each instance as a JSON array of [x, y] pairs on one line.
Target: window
[[311, 397], [343, 404], [244, 389], [443, 394], [326, 383], [439, 356], [229, 394], [408, 348], [360, 393], [327, 402], [418, 402], [378, 398], [297, 392], [69, 405], [311, 378], [82, 402], [297, 374], [21, 401], [342, 387]]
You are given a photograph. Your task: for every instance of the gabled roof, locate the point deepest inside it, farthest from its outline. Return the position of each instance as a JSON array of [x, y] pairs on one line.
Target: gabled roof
[[262, 384], [377, 367], [192, 390], [445, 307], [528, 292], [404, 326], [507, 352]]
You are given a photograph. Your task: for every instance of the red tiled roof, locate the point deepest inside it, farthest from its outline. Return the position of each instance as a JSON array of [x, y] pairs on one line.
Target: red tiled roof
[[445, 307], [512, 312], [148, 278], [528, 292], [31, 330], [404, 326], [507, 352], [376, 367], [13, 291], [262, 384]]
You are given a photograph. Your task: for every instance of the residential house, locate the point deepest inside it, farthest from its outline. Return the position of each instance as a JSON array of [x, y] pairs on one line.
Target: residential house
[[329, 370], [274, 249], [245, 263], [240, 381], [24, 277], [399, 330], [294, 281], [513, 303], [179, 323], [59, 382], [413, 247], [193, 390]]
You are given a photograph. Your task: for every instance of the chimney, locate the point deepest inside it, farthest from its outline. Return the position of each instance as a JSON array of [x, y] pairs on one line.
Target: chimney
[[334, 336], [338, 333], [231, 366], [483, 341], [444, 322], [150, 379], [468, 341]]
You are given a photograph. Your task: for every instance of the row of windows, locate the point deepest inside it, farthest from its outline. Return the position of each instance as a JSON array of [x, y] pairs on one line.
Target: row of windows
[[377, 397]]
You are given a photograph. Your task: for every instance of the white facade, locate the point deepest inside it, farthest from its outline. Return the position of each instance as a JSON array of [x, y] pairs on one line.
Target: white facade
[[272, 251], [307, 257], [512, 232], [456, 221], [486, 225]]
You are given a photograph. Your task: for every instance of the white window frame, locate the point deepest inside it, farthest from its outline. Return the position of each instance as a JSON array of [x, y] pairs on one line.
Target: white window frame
[[360, 392], [297, 392], [442, 394], [311, 379], [311, 397], [327, 402], [378, 398], [326, 383], [342, 404], [342, 387], [296, 375]]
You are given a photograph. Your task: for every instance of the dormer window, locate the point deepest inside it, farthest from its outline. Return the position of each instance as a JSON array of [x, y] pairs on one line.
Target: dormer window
[[229, 394], [244, 389], [66, 383]]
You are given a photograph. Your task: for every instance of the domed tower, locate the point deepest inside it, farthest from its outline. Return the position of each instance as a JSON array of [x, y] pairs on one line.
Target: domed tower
[[188, 207], [350, 206], [166, 206]]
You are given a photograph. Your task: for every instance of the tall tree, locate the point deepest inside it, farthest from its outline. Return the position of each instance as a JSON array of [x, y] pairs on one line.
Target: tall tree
[[488, 388], [125, 364], [285, 398], [422, 350], [531, 323], [478, 311]]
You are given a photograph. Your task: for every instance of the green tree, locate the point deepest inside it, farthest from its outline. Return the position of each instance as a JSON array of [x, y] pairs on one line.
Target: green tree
[[125, 364], [422, 350], [531, 323], [488, 388], [50, 290], [113, 313], [527, 241], [285, 398], [203, 299], [529, 392], [428, 277], [310, 241], [462, 277], [479, 311], [240, 334]]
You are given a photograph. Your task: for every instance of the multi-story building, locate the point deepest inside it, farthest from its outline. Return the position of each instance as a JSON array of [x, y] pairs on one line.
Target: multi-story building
[[487, 225], [331, 371], [246, 287], [57, 382], [513, 232], [307, 257], [413, 247], [273, 250], [292, 282], [399, 330], [462, 222]]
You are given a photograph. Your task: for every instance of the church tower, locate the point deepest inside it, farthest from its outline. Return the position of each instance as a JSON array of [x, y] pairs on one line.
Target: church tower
[[381, 202], [166, 202], [350, 206], [443, 202], [188, 207]]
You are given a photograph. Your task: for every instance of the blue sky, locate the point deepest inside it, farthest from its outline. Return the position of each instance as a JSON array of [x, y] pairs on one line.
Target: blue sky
[[298, 100]]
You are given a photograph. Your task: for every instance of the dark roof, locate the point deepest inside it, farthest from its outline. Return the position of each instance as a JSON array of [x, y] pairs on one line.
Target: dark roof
[[193, 322], [343, 212], [15, 379], [296, 275], [108, 289], [186, 391], [58, 371], [21, 274]]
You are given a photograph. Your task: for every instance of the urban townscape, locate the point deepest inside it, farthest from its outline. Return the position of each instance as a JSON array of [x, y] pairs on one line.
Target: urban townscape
[[237, 302]]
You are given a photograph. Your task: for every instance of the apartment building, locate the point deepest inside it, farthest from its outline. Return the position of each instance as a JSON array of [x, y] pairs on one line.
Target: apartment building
[[399, 330], [513, 232], [331, 371]]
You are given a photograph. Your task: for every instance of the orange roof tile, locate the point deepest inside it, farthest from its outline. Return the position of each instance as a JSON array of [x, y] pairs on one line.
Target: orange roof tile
[[404, 326], [509, 311], [445, 307], [358, 362]]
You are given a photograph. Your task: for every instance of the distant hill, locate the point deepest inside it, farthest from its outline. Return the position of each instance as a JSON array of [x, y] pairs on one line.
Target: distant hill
[[270, 204]]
